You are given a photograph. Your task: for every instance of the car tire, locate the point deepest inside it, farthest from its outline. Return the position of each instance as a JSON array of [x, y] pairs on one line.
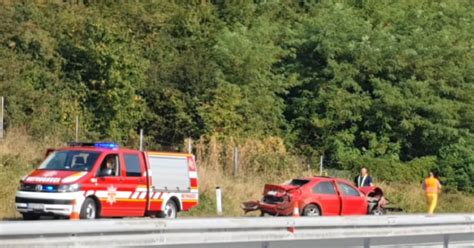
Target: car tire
[[31, 216], [311, 210], [377, 211], [89, 210], [170, 211]]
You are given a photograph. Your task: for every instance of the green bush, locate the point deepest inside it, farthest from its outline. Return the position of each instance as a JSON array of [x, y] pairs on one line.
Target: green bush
[[391, 170]]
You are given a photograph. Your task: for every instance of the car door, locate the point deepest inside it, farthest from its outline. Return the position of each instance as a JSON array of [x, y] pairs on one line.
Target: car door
[[353, 202], [134, 180], [326, 195]]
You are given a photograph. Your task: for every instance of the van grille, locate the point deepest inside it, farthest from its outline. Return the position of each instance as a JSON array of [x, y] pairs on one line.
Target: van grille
[[44, 187]]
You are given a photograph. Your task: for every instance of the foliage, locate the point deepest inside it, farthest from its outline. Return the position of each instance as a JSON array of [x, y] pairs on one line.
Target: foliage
[[391, 170], [385, 84]]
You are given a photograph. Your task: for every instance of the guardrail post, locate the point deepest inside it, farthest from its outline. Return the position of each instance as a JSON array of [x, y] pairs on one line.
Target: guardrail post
[[366, 242], [321, 165], [77, 128], [141, 139], [446, 240], [219, 201], [190, 145], [236, 161], [2, 103]]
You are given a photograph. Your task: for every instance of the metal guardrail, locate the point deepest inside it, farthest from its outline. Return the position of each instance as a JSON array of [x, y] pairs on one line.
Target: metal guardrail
[[357, 231]]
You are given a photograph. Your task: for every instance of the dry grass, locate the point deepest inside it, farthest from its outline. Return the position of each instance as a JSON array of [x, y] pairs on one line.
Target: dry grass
[[261, 162], [19, 154], [239, 189], [16, 143], [411, 198], [234, 191]]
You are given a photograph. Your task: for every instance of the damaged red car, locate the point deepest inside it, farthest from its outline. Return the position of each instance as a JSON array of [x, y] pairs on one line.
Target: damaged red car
[[316, 196]]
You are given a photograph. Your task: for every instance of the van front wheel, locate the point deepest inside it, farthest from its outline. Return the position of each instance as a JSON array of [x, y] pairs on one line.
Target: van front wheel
[[88, 210], [31, 216]]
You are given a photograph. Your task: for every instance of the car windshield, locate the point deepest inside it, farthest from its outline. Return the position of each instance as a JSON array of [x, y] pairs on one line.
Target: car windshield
[[70, 160]]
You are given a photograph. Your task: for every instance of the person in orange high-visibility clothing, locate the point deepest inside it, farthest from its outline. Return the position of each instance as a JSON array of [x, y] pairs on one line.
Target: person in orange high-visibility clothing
[[432, 187]]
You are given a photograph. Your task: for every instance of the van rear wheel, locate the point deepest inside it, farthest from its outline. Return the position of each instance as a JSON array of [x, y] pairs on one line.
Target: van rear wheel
[[170, 211]]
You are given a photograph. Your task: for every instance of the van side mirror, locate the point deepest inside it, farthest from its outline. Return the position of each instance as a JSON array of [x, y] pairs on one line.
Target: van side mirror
[[105, 172]]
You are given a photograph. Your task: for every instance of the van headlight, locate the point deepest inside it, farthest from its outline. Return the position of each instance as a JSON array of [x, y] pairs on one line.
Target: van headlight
[[69, 188]]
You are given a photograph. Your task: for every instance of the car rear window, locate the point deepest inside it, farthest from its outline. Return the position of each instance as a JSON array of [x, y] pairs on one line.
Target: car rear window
[[298, 182]]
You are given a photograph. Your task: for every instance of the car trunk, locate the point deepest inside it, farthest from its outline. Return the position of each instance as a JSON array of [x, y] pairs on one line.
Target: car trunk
[[276, 195]]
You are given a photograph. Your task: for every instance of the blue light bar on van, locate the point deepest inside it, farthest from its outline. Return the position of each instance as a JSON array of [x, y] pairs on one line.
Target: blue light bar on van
[[108, 145]]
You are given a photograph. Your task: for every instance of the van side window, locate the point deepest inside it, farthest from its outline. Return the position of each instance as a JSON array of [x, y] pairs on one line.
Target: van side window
[[111, 162], [326, 188], [132, 165]]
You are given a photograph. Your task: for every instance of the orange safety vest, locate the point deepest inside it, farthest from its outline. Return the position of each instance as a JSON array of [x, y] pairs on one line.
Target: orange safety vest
[[431, 185]]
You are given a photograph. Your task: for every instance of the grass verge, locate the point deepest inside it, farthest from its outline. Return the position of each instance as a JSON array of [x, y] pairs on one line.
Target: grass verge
[[19, 155]]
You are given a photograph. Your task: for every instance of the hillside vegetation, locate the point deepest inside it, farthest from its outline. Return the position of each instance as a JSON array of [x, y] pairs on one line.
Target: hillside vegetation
[[385, 84]]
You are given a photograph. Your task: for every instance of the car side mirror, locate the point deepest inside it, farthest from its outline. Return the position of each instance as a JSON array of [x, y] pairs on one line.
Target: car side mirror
[[105, 172]]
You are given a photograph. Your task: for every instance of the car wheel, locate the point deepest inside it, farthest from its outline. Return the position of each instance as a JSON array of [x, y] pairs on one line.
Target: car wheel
[[170, 211], [311, 210], [88, 210], [31, 216], [377, 211]]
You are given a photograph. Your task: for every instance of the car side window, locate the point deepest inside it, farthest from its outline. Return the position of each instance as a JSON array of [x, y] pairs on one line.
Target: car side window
[[326, 188], [111, 163], [132, 165], [348, 190]]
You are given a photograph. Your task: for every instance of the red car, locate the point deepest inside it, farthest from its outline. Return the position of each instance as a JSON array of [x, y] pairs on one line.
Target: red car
[[317, 196]]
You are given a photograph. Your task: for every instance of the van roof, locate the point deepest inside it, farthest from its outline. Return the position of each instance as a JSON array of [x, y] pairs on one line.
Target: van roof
[[91, 147], [169, 153]]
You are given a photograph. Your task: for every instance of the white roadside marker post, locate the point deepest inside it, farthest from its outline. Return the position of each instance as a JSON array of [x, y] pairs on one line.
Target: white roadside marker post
[[219, 201]]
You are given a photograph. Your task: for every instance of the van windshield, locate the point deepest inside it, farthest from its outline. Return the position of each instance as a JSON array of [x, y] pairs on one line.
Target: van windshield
[[70, 160]]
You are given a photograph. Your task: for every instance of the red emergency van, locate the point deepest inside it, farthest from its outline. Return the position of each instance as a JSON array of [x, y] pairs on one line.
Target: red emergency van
[[92, 180]]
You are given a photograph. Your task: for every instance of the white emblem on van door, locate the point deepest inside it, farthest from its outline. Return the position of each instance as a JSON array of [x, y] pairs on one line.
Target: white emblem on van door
[[111, 194]]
